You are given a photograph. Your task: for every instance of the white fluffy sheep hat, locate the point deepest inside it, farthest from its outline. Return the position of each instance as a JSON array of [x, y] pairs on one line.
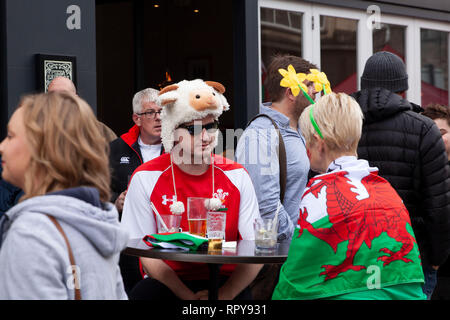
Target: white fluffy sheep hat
[[186, 101]]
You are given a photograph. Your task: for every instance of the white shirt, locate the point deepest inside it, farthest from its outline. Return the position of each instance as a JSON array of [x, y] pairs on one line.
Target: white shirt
[[149, 151]]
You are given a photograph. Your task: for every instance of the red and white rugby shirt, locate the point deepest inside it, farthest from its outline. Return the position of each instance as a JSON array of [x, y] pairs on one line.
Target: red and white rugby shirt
[[153, 182]]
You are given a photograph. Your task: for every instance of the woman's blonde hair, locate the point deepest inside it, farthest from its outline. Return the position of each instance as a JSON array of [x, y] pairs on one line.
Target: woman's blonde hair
[[339, 118], [67, 148]]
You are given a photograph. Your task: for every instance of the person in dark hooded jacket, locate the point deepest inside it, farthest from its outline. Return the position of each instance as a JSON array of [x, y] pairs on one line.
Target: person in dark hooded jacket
[[139, 145], [9, 194], [133, 148], [408, 150]]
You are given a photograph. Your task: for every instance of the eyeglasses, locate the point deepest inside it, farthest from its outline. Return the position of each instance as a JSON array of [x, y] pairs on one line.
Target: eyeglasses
[[150, 114], [195, 129]]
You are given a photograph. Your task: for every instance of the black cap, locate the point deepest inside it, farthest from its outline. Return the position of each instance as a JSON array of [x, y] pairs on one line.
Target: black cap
[[385, 70]]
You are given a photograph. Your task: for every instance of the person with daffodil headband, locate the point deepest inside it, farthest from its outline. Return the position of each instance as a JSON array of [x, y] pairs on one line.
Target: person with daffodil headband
[[280, 174], [295, 81], [272, 150]]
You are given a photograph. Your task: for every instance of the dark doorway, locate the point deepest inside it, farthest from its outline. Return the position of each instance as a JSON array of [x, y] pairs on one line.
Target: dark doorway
[[3, 99], [141, 44]]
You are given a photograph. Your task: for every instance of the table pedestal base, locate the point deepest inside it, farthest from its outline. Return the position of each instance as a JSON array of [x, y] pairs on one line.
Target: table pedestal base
[[213, 293]]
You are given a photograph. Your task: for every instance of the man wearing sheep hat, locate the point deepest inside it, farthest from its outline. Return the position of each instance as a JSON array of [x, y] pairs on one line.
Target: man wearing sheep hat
[[189, 133]]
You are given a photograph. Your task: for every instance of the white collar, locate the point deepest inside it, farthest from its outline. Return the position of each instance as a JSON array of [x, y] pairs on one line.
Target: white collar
[[349, 162], [148, 146]]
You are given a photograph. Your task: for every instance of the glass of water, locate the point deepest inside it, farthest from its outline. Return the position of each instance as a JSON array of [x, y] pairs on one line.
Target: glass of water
[[266, 233]]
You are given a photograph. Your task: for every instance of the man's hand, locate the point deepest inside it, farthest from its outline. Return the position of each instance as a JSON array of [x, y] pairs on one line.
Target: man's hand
[[242, 276], [120, 201], [201, 295], [222, 295], [159, 270]]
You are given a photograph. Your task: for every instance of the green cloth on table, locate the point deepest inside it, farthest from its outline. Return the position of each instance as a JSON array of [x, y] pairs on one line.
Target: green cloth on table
[[176, 240]]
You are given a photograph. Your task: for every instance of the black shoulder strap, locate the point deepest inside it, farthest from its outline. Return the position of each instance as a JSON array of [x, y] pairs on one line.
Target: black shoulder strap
[[281, 155]]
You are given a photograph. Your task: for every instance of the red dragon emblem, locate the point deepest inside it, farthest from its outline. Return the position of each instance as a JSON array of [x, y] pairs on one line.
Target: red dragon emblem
[[360, 221]]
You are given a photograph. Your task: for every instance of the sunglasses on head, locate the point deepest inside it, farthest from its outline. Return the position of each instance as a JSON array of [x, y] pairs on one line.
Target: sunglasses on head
[[195, 129]]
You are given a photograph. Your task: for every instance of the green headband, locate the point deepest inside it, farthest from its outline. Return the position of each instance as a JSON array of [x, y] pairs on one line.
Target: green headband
[[313, 122], [292, 79], [311, 111], [306, 95]]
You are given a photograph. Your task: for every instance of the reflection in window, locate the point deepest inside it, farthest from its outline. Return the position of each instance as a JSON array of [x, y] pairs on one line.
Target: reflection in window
[[338, 52], [390, 38], [434, 64], [280, 33]]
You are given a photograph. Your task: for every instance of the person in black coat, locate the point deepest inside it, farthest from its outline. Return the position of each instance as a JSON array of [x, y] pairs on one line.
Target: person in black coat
[[133, 148], [408, 150], [9, 194], [139, 145], [441, 116]]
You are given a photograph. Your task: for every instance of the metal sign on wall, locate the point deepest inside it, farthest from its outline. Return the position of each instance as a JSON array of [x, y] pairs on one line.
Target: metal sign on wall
[[49, 67]]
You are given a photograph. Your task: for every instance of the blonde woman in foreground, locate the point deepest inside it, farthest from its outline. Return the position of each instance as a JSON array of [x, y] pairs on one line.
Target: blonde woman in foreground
[[354, 239], [55, 152]]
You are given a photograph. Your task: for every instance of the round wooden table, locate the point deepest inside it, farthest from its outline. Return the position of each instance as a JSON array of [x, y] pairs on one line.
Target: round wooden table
[[244, 252]]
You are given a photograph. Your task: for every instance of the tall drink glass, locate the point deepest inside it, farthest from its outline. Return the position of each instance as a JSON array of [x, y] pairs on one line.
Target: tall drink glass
[[215, 229], [197, 215], [265, 235]]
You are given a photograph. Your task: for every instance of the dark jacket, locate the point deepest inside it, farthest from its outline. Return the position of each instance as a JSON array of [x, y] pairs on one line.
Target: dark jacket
[[408, 150], [124, 157], [9, 194]]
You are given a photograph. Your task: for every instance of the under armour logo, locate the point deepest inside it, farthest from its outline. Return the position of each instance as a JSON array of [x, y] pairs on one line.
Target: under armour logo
[[165, 200], [125, 160]]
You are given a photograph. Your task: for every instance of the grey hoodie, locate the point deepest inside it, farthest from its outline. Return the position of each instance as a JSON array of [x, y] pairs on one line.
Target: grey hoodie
[[34, 261]]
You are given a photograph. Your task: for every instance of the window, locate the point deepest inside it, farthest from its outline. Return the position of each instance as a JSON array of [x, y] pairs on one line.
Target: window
[[339, 41], [434, 66], [390, 38], [281, 32], [338, 52]]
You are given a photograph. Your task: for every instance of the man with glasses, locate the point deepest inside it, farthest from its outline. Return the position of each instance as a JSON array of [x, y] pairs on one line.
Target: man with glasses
[[139, 145], [190, 169]]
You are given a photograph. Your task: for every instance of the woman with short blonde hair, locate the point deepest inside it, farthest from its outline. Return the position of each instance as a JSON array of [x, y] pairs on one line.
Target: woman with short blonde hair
[[352, 223], [340, 120], [55, 152]]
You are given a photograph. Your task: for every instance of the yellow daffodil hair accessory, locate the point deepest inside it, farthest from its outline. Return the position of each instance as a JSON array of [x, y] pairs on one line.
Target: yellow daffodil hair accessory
[[320, 80], [294, 81]]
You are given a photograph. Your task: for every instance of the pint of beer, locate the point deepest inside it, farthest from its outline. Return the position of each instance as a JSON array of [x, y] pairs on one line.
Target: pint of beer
[[215, 230], [197, 216], [197, 227]]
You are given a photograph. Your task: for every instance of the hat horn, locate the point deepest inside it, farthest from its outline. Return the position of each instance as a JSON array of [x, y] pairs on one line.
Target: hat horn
[[172, 87], [216, 85]]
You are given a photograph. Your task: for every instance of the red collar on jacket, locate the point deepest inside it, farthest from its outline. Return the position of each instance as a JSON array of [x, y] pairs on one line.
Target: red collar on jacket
[[131, 136]]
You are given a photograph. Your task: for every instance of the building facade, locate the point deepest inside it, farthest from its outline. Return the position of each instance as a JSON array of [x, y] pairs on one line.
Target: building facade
[[119, 47]]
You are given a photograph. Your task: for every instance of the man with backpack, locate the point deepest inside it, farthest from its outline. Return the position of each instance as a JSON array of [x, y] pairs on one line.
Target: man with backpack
[[272, 150], [259, 148]]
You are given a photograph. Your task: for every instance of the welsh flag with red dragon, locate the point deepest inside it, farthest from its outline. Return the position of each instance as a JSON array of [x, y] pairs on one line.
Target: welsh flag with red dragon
[[352, 223]]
